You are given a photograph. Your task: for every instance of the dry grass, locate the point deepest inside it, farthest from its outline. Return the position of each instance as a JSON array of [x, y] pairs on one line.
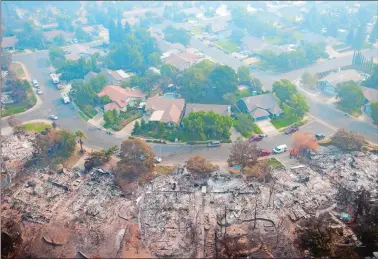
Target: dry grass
[[164, 169], [70, 162]]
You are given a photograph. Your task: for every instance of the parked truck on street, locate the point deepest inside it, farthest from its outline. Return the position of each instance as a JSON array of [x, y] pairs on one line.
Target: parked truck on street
[[54, 78], [65, 97]]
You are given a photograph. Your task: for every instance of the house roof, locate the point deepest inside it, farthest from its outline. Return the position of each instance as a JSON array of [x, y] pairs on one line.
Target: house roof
[[90, 75], [177, 61], [54, 33], [258, 112], [120, 95], [370, 94], [49, 25], [111, 106], [119, 75], [196, 107], [219, 26], [172, 109], [342, 76], [264, 101], [9, 42]]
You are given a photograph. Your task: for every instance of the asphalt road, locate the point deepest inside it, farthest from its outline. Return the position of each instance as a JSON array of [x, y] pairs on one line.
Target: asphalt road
[[327, 118]]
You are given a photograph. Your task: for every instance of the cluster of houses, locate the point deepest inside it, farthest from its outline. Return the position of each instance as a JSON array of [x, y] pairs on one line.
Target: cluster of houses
[[170, 110]]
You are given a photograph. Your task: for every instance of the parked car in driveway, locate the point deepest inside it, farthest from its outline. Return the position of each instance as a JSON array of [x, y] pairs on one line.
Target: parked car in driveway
[[53, 117], [263, 152], [256, 138], [319, 136], [291, 129], [279, 149]]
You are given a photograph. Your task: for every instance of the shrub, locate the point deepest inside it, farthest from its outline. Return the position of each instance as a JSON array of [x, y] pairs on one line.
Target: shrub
[[348, 140], [198, 164]]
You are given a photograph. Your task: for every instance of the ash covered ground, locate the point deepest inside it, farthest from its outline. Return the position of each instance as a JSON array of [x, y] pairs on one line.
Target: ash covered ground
[[183, 214]]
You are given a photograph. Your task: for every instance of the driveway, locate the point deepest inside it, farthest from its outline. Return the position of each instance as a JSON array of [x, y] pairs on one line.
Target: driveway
[[267, 128]]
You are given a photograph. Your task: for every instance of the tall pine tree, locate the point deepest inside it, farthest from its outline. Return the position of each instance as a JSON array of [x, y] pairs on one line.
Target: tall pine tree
[[359, 40], [374, 33]]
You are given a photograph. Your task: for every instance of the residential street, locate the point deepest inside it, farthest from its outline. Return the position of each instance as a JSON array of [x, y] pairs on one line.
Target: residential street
[[327, 118]]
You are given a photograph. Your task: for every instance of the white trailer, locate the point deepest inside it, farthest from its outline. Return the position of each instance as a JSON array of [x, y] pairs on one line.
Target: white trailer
[[54, 78], [65, 97]]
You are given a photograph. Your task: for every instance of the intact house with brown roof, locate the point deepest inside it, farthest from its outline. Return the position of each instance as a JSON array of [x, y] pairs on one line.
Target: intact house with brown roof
[[121, 98], [167, 111], [181, 60], [224, 110], [260, 107], [9, 43]]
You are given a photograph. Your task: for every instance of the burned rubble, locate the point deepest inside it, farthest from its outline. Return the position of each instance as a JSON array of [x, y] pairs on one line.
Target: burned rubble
[[16, 150], [184, 214]]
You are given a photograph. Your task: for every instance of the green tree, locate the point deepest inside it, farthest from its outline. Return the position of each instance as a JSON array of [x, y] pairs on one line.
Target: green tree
[[284, 90], [299, 105], [207, 125], [374, 33], [374, 111], [98, 158], [54, 147], [360, 37], [57, 56], [350, 95], [230, 98], [30, 37], [309, 79], [98, 82], [350, 37], [224, 79], [59, 40], [169, 71], [244, 75], [173, 35], [154, 59], [81, 136]]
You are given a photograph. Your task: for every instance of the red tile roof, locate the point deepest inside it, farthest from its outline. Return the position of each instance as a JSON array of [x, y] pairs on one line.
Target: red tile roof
[[120, 95]]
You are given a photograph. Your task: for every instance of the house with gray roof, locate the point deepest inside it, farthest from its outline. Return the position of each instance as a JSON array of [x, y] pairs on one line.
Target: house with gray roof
[[261, 107], [329, 83]]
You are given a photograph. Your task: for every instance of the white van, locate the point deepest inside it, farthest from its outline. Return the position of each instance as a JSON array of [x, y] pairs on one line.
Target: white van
[[214, 144], [279, 149]]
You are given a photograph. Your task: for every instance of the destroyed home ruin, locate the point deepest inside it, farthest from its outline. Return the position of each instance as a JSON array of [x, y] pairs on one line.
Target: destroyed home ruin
[[183, 214]]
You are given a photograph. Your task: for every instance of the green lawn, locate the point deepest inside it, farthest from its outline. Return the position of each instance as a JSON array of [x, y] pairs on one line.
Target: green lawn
[[355, 112], [298, 35], [274, 163], [14, 109], [287, 119], [196, 30], [284, 121], [339, 46], [82, 115], [227, 45], [245, 126], [36, 126], [273, 40]]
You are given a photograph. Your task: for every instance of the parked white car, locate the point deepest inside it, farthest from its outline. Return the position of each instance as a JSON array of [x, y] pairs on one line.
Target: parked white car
[[53, 117], [39, 92], [279, 149]]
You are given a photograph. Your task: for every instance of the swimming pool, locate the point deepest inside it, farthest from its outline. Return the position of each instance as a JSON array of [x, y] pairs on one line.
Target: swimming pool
[[171, 95]]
